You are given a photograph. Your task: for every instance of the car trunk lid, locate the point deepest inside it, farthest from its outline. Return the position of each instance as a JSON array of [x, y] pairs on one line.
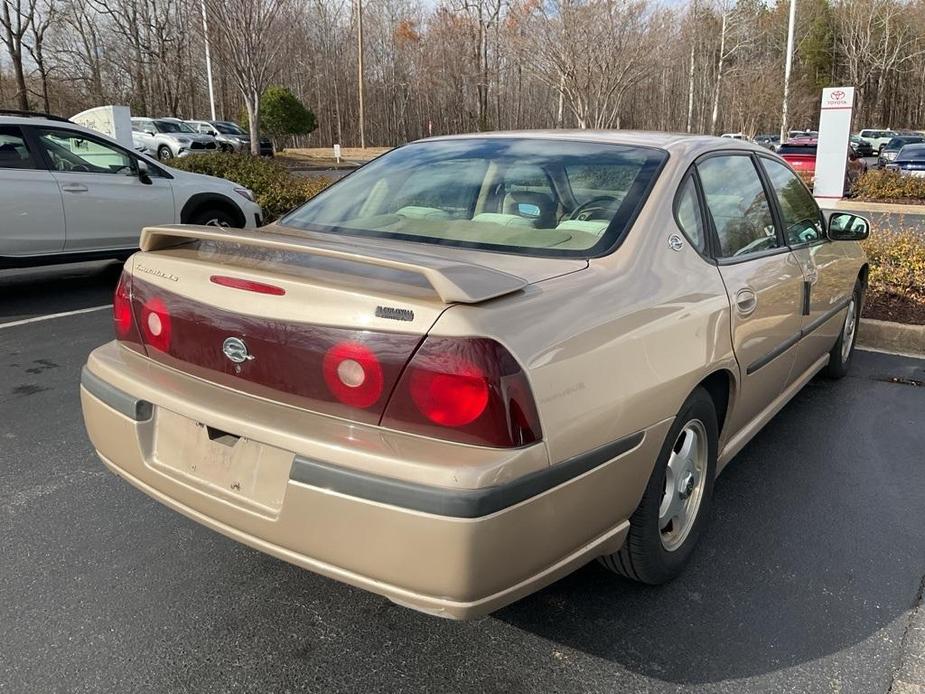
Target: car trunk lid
[[264, 312]]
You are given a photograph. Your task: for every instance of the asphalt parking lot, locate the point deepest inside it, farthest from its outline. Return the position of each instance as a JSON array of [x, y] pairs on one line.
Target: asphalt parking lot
[[804, 582]]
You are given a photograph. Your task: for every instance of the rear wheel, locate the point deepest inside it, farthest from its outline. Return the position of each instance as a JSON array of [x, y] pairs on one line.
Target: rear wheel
[[840, 356], [675, 505]]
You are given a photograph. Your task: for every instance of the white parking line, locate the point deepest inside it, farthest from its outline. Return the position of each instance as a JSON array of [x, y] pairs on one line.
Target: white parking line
[[50, 316]]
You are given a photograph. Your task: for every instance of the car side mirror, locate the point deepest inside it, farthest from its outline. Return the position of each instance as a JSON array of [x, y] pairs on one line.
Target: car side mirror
[[844, 226], [148, 131], [144, 173]]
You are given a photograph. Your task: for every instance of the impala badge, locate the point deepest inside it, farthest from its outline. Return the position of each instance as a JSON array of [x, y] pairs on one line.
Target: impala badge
[[236, 350]]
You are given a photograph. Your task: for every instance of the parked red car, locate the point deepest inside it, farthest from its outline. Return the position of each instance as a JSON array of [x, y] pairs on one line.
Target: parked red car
[[800, 153]]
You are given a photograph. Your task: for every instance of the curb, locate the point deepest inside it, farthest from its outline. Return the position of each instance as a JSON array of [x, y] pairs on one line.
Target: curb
[[851, 205], [892, 337]]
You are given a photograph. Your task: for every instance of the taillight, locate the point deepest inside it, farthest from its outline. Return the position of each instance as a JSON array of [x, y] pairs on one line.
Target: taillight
[[454, 396], [156, 324], [465, 389], [353, 374], [122, 308]]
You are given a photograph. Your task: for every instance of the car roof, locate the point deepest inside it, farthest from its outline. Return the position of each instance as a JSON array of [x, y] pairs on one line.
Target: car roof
[[36, 120], [673, 142]]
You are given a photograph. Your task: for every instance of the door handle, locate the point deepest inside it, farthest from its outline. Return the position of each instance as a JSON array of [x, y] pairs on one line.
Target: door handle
[[74, 188], [746, 301]]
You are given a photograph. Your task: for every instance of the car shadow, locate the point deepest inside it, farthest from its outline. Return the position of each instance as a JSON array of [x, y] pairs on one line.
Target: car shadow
[[809, 551], [29, 292]]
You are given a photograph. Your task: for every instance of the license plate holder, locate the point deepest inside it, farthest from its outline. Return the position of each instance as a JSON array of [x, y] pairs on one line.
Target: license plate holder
[[244, 472]]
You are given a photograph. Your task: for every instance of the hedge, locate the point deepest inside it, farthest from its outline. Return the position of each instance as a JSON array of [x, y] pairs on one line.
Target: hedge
[[887, 185], [896, 289], [276, 189]]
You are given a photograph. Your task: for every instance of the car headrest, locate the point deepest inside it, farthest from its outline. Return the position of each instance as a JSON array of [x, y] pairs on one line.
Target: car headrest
[[529, 204]]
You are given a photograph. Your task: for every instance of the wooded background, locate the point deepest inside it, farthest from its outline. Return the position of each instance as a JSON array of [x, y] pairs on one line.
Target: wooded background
[[468, 65]]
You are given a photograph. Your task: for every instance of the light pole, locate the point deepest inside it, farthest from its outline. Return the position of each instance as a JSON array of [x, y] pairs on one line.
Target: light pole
[[205, 33], [784, 125], [360, 71]]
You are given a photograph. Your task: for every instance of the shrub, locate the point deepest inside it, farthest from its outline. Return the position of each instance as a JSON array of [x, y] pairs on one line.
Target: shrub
[[897, 276], [889, 185], [276, 189]]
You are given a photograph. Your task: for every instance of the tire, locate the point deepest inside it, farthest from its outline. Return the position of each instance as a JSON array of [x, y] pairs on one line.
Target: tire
[[214, 217], [843, 350], [650, 555], [164, 153]]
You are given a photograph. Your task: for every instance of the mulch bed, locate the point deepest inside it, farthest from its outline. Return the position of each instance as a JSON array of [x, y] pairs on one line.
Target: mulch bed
[[894, 307]]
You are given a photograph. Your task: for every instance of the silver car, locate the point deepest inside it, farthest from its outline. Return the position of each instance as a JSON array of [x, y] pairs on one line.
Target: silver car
[[166, 138], [229, 136]]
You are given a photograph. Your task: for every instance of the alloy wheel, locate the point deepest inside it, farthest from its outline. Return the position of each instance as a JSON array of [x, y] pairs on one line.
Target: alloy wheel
[[851, 324], [685, 480]]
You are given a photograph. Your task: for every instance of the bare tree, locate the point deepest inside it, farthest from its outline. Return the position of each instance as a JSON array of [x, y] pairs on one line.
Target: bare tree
[[16, 20], [592, 82], [248, 33], [36, 46]]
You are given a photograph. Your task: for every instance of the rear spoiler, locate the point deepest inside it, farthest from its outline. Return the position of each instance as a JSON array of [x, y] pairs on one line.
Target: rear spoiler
[[453, 281]]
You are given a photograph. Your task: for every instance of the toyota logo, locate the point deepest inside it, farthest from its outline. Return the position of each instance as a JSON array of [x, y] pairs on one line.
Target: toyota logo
[[838, 95], [235, 349]]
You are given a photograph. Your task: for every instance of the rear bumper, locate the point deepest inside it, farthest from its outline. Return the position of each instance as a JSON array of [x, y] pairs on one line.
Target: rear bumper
[[451, 550]]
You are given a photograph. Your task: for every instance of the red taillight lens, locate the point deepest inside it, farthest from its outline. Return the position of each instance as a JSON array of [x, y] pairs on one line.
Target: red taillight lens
[[452, 397], [122, 308], [465, 389], [353, 374], [156, 324]]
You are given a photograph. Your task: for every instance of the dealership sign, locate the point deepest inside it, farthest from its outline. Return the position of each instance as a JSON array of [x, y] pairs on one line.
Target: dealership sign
[[832, 147]]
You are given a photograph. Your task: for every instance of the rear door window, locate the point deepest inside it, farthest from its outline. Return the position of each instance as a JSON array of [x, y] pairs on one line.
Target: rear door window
[[737, 205], [14, 152]]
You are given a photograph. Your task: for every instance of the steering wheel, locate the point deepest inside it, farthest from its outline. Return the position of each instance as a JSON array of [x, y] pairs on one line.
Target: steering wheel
[[587, 210]]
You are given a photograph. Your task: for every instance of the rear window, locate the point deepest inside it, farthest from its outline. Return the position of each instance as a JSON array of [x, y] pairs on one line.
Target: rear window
[[911, 152], [797, 149], [898, 142], [518, 195]]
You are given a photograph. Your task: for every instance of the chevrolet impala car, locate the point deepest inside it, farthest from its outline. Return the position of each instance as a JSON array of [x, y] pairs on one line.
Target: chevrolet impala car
[[478, 362]]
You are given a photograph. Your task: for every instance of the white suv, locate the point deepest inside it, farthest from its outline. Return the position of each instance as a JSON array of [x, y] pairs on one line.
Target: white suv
[[877, 138], [69, 193]]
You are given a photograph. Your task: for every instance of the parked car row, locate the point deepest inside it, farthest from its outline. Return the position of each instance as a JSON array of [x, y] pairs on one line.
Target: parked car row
[[167, 138], [70, 193]]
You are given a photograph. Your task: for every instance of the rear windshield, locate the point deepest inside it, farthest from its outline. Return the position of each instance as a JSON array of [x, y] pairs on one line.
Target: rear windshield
[[228, 128], [518, 195], [797, 149], [898, 142], [911, 153]]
